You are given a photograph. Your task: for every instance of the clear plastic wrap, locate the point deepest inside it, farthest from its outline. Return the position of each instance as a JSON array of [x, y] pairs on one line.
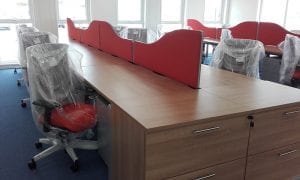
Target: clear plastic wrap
[[137, 34], [290, 58], [122, 31], [55, 82], [225, 34], [239, 55], [28, 39]]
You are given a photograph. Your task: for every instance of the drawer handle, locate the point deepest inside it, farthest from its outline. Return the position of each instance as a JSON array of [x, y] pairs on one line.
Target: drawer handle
[[287, 153], [206, 131], [205, 177], [291, 112]]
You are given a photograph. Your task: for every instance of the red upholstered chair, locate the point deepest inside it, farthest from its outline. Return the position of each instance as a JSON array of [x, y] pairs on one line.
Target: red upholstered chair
[[290, 70], [57, 95]]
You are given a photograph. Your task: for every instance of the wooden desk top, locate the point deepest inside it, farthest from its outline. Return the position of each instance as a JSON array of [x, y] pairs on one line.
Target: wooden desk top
[[208, 40], [157, 102], [274, 50]]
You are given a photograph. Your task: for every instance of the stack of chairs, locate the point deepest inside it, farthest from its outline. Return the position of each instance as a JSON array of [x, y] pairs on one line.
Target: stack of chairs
[[27, 37]]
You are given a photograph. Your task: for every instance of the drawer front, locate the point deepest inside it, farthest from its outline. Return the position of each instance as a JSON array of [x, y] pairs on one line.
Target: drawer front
[[228, 171], [278, 164], [274, 129], [178, 151]]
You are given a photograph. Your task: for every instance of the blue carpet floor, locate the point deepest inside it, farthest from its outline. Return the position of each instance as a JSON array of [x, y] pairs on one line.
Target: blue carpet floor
[[18, 135]]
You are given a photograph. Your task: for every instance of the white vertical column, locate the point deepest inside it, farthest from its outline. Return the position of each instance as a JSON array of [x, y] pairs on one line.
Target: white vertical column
[[45, 15]]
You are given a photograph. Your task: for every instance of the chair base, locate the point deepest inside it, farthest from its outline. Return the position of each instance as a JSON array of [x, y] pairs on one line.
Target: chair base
[[58, 144]]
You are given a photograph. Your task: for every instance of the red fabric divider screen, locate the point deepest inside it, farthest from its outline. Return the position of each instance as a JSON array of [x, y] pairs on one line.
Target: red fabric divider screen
[[210, 32], [74, 33], [91, 35], [176, 55], [272, 34], [110, 42], [245, 30]]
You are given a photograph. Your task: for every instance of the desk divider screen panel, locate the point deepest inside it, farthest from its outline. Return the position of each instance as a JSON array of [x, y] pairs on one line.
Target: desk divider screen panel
[[91, 35], [210, 32], [245, 30], [176, 55], [110, 42], [74, 33], [272, 34]]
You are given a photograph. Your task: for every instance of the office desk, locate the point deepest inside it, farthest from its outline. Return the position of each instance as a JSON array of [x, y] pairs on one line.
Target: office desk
[[163, 129]]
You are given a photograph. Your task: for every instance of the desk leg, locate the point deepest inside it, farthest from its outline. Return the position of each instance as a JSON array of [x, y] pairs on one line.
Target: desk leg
[[128, 142]]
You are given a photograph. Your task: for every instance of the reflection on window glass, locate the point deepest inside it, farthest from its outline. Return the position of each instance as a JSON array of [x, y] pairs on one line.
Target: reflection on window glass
[[74, 9], [213, 11], [293, 15], [129, 10], [272, 11], [171, 10], [14, 9]]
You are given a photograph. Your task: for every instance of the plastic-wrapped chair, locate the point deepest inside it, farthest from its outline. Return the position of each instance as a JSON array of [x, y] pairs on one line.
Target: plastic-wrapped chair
[[27, 40], [122, 31], [289, 69], [225, 34], [239, 55], [59, 108], [137, 34]]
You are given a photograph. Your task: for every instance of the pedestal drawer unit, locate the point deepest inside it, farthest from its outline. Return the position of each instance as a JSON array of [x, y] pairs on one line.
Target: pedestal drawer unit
[[229, 171], [279, 164], [189, 148], [274, 129]]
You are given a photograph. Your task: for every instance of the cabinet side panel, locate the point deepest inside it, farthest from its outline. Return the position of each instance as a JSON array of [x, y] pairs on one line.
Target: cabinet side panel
[[128, 159]]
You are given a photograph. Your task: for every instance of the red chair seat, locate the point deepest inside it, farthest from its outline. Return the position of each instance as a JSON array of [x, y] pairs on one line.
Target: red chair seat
[[296, 74], [73, 117]]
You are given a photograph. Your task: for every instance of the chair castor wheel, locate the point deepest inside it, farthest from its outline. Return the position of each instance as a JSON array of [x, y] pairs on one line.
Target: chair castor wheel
[[23, 104], [31, 164], [75, 166], [38, 145], [18, 83]]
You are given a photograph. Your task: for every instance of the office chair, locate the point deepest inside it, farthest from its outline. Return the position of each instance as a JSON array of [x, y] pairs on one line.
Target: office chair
[[22, 29], [239, 55], [289, 69], [26, 40], [59, 108], [122, 31], [137, 34]]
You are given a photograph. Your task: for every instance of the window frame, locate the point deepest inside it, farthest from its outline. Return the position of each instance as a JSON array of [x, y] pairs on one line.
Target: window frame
[[18, 21], [143, 12], [286, 8], [82, 21], [182, 15], [224, 7]]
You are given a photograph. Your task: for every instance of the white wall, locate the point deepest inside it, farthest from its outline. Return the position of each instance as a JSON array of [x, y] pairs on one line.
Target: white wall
[[242, 10], [44, 15]]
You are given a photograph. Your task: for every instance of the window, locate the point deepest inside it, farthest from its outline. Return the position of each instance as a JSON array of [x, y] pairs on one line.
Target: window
[[17, 10], [273, 12], [77, 10], [284, 12], [293, 15], [131, 13], [214, 11], [172, 15]]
